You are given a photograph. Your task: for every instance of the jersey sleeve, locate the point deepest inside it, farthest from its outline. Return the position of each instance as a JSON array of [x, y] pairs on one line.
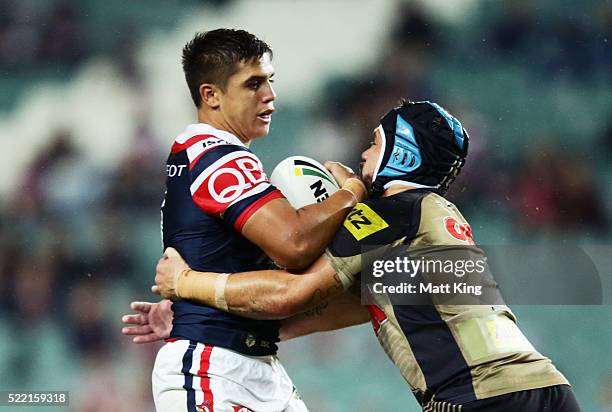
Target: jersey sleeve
[[229, 182]]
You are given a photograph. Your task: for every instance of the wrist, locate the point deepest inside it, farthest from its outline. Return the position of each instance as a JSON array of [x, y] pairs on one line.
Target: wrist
[[181, 281], [356, 188], [205, 287]]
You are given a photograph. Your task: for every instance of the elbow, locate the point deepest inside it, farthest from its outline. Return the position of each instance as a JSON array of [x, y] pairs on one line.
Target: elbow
[[295, 255]]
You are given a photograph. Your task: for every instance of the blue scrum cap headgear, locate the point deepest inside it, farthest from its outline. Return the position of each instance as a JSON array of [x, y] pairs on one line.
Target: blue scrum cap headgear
[[423, 146]]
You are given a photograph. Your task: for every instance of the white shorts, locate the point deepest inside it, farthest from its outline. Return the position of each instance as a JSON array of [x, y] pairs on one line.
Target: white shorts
[[194, 377]]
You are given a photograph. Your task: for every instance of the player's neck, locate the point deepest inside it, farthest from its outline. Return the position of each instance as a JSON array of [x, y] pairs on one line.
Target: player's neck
[[215, 120], [395, 189]]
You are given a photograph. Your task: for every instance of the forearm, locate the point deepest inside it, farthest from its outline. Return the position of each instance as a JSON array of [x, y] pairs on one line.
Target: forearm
[[260, 295], [268, 294], [341, 312]]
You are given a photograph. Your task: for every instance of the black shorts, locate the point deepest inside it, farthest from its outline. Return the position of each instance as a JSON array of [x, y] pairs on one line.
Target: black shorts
[[558, 398]]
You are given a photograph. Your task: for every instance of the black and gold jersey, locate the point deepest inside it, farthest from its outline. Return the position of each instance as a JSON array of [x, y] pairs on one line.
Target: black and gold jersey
[[455, 353]]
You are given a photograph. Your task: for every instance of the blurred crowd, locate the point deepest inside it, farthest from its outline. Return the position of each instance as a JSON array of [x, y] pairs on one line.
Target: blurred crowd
[[574, 44], [65, 246], [546, 187], [69, 236], [34, 34], [61, 34]]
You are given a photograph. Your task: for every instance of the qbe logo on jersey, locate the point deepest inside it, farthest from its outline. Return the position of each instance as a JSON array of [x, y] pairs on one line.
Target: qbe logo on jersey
[[230, 179]]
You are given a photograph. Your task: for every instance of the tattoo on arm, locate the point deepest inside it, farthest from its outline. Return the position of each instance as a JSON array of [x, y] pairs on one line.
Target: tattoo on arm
[[320, 296]]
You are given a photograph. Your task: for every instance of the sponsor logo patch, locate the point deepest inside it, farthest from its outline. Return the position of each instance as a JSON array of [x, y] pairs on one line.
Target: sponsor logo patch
[[230, 179], [363, 222], [250, 340], [459, 231]]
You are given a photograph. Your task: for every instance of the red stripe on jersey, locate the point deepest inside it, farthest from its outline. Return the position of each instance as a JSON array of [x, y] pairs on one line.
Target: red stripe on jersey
[[170, 340], [378, 317], [205, 378], [177, 147], [194, 161], [254, 207]]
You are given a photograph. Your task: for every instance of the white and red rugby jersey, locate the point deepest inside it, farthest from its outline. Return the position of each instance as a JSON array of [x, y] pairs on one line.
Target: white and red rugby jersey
[[214, 185]]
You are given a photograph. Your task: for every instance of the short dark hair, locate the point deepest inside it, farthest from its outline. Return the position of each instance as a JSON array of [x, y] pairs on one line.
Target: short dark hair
[[212, 57]]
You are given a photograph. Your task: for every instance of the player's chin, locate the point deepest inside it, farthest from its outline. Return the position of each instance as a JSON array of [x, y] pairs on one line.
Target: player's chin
[[260, 130]]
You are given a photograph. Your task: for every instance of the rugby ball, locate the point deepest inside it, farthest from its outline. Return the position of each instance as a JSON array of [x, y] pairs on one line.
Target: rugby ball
[[303, 181]]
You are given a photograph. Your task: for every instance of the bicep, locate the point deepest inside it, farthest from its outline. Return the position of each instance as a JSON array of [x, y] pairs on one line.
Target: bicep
[[295, 238], [274, 228]]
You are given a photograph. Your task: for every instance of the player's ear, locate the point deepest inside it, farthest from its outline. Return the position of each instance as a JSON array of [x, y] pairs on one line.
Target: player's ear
[[210, 95]]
